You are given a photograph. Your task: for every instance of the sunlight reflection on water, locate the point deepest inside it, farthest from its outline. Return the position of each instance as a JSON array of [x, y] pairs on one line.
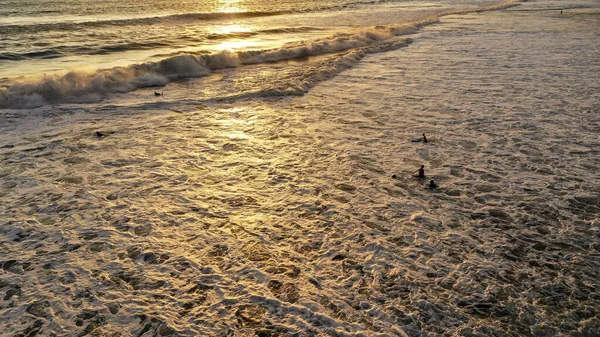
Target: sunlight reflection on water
[[231, 6]]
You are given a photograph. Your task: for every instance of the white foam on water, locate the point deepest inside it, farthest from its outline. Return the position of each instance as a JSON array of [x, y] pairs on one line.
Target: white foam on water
[[279, 216]]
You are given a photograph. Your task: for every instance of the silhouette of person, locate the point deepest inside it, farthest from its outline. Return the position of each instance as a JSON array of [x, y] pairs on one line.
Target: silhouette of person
[[432, 184], [421, 172], [424, 139]]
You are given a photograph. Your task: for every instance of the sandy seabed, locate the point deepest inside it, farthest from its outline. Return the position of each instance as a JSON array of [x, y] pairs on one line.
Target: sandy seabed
[[279, 217]]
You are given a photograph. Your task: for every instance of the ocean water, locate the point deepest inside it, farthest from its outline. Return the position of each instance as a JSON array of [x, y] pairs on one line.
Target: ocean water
[[254, 197], [82, 52]]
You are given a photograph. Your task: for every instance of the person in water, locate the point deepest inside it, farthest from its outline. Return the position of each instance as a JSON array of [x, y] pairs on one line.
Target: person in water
[[424, 139], [432, 184], [421, 172]]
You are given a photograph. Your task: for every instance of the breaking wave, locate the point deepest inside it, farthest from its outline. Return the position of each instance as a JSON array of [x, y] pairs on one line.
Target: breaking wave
[[80, 87]]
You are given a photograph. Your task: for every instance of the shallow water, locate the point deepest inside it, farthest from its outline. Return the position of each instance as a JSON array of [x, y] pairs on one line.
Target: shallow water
[[279, 216]]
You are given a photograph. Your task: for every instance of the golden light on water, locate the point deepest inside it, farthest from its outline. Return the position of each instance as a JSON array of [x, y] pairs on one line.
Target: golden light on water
[[234, 127], [232, 44], [231, 6], [230, 29]]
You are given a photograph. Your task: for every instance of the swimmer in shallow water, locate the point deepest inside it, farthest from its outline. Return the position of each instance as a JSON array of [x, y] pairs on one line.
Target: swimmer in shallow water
[[424, 139], [432, 184], [421, 172]]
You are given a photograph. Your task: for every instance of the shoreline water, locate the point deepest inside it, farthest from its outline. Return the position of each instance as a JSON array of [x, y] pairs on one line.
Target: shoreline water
[[88, 86], [278, 216]]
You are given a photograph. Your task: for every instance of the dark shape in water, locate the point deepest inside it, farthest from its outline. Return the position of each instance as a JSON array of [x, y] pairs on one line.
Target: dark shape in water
[[432, 184], [158, 93], [338, 257], [100, 135], [424, 138], [421, 172]]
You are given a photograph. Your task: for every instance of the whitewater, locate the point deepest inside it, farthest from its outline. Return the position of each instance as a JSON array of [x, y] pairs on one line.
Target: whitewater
[[225, 168]]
